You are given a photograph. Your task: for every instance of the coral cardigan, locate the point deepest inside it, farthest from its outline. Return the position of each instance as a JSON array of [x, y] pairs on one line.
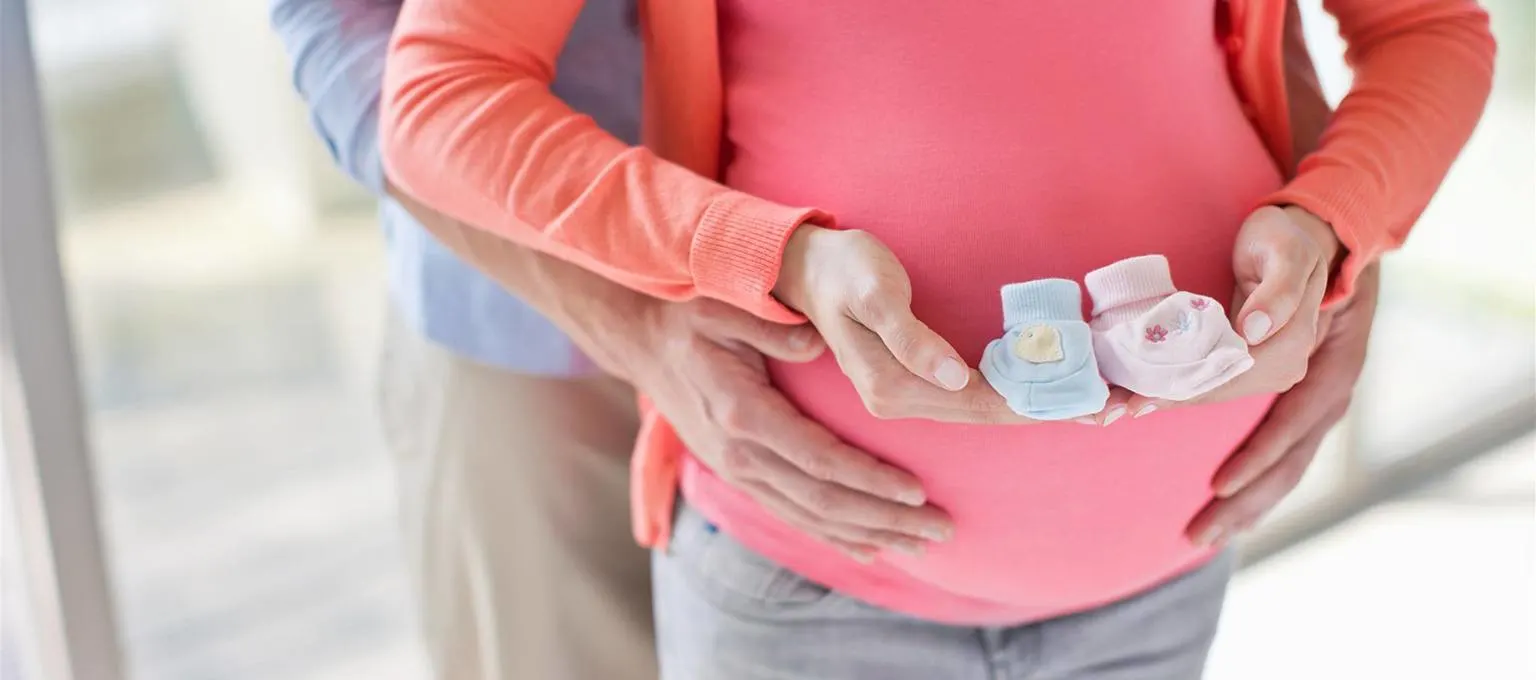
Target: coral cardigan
[[470, 127]]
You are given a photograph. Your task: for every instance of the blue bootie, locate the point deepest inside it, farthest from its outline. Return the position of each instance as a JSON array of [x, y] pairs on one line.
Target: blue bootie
[[1043, 365]]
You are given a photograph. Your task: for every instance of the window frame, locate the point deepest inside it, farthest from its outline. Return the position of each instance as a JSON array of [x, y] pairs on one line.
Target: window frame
[[70, 614]]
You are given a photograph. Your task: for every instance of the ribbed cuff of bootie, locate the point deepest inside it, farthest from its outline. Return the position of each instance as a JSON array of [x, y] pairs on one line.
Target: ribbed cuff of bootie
[[1042, 300], [1128, 281]]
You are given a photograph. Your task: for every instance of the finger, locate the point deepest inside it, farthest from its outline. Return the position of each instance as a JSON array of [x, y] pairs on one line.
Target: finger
[[887, 388], [783, 342], [1318, 401], [890, 390], [1323, 329], [791, 514], [1115, 407], [1225, 517], [858, 543], [858, 553], [1118, 396], [1138, 406], [978, 404], [914, 345], [834, 504], [1281, 260], [1279, 364], [785, 432], [1295, 416]]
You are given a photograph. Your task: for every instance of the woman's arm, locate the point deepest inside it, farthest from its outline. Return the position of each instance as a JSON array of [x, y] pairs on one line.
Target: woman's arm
[[1423, 71], [698, 364], [470, 127]]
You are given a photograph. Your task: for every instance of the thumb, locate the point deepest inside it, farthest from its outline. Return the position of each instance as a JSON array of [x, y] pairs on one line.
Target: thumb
[[1273, 262], [918, 348], [797, 344]]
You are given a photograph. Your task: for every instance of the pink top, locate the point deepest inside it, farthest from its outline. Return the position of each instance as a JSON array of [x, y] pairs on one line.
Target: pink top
[[470, 127], [986, 144]]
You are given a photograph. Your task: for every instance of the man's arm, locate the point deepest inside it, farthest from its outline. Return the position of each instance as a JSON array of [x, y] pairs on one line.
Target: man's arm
[[1272, 461], [706, 352], [575, 300], [699, 363], [1309, 111], [337, 50]]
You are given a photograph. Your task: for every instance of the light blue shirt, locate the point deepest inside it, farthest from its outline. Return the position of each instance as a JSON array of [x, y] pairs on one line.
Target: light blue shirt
[[337, 49]]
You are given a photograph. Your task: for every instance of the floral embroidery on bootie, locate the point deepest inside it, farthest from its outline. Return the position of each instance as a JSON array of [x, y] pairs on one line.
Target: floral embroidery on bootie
[[1185, 322]]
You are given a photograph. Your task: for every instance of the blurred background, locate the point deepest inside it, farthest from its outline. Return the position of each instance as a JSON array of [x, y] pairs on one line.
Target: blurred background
[[226, 288]]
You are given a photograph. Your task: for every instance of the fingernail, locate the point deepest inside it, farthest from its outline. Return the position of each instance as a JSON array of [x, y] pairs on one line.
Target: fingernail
[[908, 549], [861, 558], [936, 533], [1113, 415], [1256, 326], [952, 375], [1145, 410], [1228, 488], [1084, 421], [911, 497], [800, 341], [1210, 536]]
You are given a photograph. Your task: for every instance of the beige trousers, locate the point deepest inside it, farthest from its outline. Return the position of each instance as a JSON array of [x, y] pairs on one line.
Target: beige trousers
[[514, 495]]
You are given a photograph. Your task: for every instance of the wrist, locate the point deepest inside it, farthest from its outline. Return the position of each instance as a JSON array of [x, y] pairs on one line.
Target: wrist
[[1331, 250], [612, 325], [619, 329], [795, 267]]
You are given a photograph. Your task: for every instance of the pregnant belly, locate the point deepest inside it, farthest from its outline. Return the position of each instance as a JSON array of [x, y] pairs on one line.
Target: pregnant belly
[[1055, 515], [1026, 182], [1058, 514]]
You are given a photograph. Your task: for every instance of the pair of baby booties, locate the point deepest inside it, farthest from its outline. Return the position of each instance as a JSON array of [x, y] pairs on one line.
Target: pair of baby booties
[[1145, 335]]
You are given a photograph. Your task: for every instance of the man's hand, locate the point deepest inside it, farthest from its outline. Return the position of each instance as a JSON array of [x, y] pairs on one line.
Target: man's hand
[[1282, 261], [858, 296], [1271, 463], [700, 363]]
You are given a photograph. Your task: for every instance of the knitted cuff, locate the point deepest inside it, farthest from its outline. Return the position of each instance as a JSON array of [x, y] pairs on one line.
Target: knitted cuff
[[1042, 300], [1128, 281]]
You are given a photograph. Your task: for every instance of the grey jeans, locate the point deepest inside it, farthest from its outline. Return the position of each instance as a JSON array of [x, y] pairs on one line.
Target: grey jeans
[[724, 612]]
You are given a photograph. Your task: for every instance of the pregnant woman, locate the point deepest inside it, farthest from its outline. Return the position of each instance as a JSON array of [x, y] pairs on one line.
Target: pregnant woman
[[948, 149]]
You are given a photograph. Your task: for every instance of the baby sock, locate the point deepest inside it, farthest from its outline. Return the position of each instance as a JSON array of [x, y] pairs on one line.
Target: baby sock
[[1043, 365], [1157, 341]]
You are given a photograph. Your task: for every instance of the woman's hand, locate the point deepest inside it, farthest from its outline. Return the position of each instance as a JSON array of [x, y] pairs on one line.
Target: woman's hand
[[858, 296], [1282, 262]]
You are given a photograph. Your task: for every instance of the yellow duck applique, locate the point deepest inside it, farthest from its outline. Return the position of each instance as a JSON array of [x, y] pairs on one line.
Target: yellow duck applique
[[1039, 344]]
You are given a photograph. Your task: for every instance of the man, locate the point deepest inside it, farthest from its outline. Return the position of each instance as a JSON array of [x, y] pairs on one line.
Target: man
[[512, 446]]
